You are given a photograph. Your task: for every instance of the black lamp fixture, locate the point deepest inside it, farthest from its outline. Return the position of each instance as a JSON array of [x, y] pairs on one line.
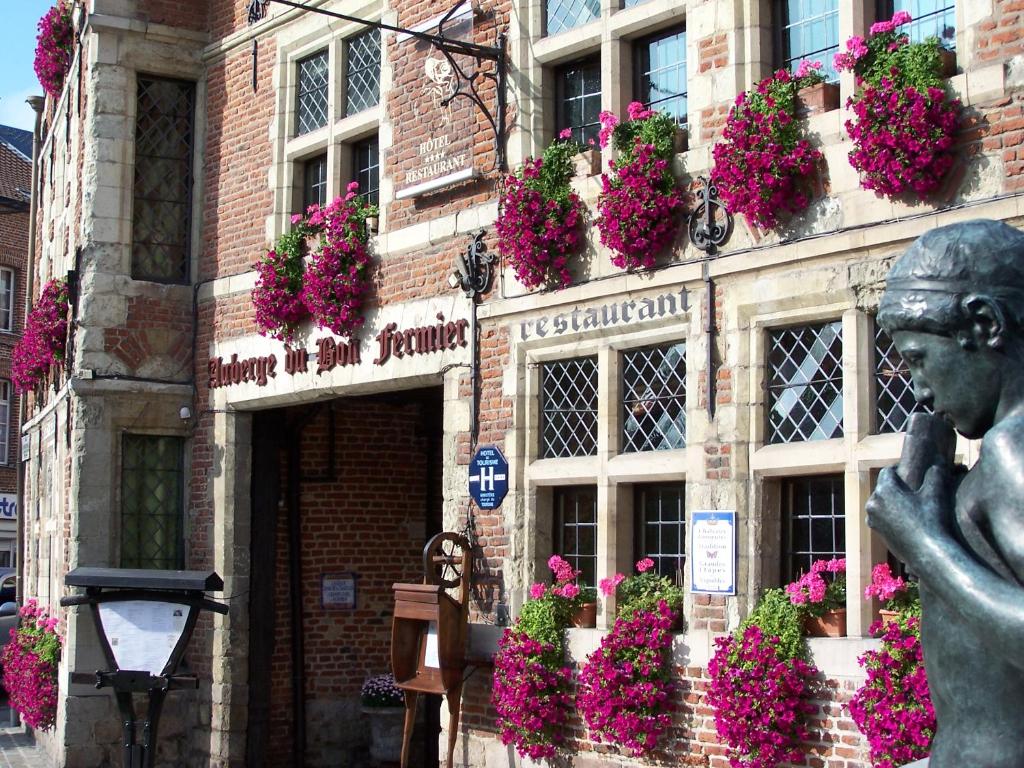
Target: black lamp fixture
[[144, 619], [473, 268]]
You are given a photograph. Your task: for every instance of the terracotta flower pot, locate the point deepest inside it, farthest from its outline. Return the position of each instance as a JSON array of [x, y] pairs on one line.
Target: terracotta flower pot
[[831, 624], [948, 62], [887, 617], [587, 162], [585, 616], [821, 97]]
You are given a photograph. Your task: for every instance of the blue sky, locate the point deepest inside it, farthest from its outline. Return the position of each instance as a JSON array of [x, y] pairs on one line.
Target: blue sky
[[17, 49]]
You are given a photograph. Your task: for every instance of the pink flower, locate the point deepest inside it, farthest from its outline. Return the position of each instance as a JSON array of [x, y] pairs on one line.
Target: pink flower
[[353, 186], [881, 27], [296, 218], [565, 133], [901, 17], [608, 122], [806, 67], [537, 591], [609, 585], [637, 111], [644, 565], [569, 590]]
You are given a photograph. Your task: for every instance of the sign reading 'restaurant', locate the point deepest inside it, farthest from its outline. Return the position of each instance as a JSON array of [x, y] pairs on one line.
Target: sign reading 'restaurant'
[[582, 319], [330, 353]]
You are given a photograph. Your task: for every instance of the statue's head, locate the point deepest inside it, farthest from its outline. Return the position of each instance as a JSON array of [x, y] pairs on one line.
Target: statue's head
[[954, 305]]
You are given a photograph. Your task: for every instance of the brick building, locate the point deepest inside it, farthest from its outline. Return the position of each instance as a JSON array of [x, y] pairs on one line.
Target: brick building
[[15, 185], [184, 140]]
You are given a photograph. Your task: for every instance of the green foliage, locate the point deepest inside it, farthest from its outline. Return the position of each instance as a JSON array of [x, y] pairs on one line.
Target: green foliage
[[556, 171], [658, 130], [290, 243], [916, 65], [643, 592], [778, 617], [545, 620]]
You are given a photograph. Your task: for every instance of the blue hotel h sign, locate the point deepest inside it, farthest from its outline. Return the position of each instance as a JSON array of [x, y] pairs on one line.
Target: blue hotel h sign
[[488, 477]]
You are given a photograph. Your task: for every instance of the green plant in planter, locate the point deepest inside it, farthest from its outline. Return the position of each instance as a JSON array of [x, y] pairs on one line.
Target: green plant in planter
[[822, 589], [643, 590]]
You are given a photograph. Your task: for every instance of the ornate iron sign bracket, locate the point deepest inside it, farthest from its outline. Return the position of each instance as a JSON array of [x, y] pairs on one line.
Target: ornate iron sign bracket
[[469, 82], [708, 231]]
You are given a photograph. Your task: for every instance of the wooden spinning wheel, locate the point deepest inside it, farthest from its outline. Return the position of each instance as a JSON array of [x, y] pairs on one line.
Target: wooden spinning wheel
[[445, 560]]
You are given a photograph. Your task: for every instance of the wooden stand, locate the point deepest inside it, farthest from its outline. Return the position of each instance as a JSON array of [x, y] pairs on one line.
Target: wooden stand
[[428, 635]]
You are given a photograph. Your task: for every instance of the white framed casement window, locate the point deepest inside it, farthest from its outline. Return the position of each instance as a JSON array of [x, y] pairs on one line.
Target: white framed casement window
[[6, 299], [5, 421]]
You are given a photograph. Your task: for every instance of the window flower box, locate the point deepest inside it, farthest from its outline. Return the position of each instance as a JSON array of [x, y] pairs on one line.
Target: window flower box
[[587, 163], [820, 97]]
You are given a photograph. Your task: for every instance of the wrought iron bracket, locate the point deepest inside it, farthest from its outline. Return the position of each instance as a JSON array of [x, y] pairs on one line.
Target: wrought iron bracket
[[473, 268], [470, 82], [707, 231]]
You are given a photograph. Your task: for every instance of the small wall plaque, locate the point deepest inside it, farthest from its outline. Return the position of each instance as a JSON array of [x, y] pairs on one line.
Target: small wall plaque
[[338, 590]]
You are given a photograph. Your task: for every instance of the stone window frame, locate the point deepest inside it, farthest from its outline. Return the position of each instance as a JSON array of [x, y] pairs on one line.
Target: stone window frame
[[7, 321], [614, 474], [6, 412]]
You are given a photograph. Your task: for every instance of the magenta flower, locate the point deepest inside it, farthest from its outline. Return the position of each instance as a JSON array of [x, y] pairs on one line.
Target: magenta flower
[[30, 661], [642, 566], [53, 48], [609, 585], [43, 342], [537, 590]]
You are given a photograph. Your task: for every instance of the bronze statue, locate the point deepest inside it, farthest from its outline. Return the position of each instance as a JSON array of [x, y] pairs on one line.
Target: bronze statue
[[954, 305]]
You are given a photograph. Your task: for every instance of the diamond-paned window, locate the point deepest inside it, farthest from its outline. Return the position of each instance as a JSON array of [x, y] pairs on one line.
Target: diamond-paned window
[[576, 530], [894, 391], [362, 75], [311, 104], [654, 398], [314, 182], [152, 496], [805, 383], [931, 18], [560, 15], [366, 165], [660, 71], [660, 526], [813, 522], [568, 425], [809, 30], [162, 191], [579, 99]]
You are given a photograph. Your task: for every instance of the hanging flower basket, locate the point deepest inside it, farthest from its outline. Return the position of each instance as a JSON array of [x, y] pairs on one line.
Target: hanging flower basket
[[277, 295], [764, 164], [905, 123], [43, 342], [540, 216], [30, 662], [53, 48]]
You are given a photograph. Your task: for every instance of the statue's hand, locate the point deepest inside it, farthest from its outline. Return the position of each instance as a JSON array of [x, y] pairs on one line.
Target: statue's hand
[[906, 519]]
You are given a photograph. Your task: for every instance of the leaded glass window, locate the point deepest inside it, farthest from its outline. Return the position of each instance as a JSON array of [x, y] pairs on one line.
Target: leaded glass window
[[660, 526], [660, 71], [568, 408], [152, 496], [631, 3], [560, 15], [311, 106], [576, 530], [894, 390], [162, 193], [805, 383], [362, 75], [6, 299], [813, 522], [809, 30], [654, 398], [931, 18], [579, 99], [314, 183], [366, 165]]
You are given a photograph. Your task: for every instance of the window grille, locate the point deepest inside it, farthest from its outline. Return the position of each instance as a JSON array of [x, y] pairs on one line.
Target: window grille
[[894, 390], [660, 525], [809, 30], [660, 68], [579, 99], [931, 18], [805, 383], [576, 530], [314, 187], [6, 299], [813, 522], [569, 408], [560, 15], [161, 215], [152, 495], [366, 164], [5, 421], [312, 100], [654, 398], [362, 75]]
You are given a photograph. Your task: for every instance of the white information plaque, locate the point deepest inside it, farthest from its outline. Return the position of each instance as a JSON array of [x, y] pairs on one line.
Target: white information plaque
[[713, 564], [142, 633], [430, 655]]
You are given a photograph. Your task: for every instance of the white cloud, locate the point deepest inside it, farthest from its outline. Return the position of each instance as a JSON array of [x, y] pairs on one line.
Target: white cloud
[[14, 111]]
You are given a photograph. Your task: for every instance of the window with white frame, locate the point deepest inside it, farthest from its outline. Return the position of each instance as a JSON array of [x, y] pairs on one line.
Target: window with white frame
[[808, 29], [930, 18], [311, 97], [654, 398], [813, 522], [805, 383], [6, 299], [578, 105], [659, 68], [575, 534], [362, 72], [561, 15], [659, 527], [5, 421], [568, 408], [314, 182], [366, 168]]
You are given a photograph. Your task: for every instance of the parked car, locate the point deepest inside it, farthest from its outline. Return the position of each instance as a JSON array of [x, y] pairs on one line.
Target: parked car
[[8, 606]]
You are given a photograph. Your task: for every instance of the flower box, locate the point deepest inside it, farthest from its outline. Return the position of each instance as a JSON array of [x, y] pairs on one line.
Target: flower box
[[585, 616], [948, 62], [820, 97], [587, 163], [830, 624]]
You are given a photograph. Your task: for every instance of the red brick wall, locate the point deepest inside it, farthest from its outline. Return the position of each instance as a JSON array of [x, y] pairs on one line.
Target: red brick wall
[[189, 14], [156, 327], [13, 254]]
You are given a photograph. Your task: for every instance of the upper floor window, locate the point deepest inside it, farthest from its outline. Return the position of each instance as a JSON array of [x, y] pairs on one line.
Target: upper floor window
[[568, 408], [575, 533], [311, 105], [152, 502], [314, 182], [654, 398], [362, 75], [6, 299], [5, 421], [579, 99], [813, 522], [931, 18], [894, 390], [660, 70], [660, 527], [560, 15], [366, 168], [805, 383], [809, 29], [162, 194]]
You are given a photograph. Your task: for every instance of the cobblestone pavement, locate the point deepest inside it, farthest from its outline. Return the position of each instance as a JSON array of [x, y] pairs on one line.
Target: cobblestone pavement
[[17, 750]]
